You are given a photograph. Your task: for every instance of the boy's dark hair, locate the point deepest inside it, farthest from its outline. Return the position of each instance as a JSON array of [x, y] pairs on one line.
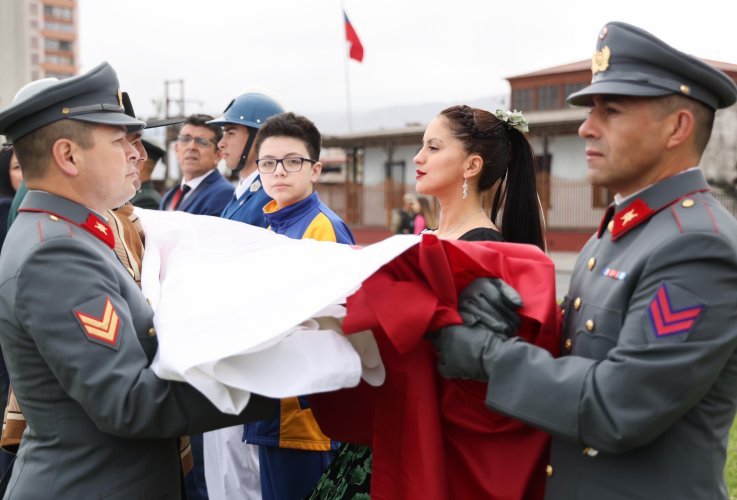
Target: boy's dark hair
[[200, 120], [294, 126]]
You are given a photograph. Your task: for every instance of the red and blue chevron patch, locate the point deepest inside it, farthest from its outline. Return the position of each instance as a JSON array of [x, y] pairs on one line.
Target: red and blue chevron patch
[[667, 320]]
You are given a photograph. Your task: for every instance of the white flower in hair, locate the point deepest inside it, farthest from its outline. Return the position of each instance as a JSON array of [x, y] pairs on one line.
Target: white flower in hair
[[513, 119]]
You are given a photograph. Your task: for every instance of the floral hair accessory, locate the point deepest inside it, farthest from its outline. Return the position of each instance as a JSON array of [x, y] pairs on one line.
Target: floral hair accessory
[[513, 119]]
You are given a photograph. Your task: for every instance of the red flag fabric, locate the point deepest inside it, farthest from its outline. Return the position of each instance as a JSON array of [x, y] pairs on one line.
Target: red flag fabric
[[435, 439], [356, 51]]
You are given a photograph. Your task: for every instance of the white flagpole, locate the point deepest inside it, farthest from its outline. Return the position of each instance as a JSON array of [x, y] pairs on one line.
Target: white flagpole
[[347, 73]]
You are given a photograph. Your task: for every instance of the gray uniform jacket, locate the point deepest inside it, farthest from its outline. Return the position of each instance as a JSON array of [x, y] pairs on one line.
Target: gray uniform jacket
[[641, 406], [78, 337]]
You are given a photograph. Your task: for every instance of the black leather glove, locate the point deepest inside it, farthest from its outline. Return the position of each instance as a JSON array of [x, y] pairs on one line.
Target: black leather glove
[[492, 303], [464, 350], [487, 307]]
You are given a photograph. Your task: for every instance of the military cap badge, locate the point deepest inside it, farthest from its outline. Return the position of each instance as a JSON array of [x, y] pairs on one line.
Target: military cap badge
[[600, 60]]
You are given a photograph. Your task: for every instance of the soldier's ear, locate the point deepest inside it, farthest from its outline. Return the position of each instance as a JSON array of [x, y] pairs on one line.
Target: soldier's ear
[[680, 127], [65, 155]]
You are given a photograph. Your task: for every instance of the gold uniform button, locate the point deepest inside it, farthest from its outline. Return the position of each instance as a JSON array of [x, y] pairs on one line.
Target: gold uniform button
[[590, 325], [577, 303], [569, 345], [152, 332], [591, 263], [54, 218], [610, 226], [687, 203], [591, 452], [549, 470]]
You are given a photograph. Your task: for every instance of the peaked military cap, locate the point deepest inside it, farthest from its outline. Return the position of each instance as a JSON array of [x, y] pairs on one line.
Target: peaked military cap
[[630, 61], [154, 150], [92, 97]]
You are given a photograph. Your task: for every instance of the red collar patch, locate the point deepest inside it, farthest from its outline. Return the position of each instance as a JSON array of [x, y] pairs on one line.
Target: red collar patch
[[100, 229], [636, 212], [93, 225]]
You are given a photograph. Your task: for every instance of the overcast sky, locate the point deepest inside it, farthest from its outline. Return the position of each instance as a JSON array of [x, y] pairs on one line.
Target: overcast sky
[[415, 51]]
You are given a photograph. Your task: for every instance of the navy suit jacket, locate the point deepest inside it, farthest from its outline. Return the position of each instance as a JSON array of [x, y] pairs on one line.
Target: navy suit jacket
[[209, 198], [250, 207]]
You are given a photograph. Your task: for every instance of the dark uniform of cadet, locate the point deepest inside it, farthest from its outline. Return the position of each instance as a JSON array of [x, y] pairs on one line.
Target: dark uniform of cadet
[[641, 405], [78, 336]]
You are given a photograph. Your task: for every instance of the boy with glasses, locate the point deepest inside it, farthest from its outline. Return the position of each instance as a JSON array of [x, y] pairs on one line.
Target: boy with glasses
[[203, 189], [293, 451]]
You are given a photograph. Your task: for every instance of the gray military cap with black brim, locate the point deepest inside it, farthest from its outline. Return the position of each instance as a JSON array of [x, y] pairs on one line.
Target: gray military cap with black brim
[[630, 61], [92, 97]]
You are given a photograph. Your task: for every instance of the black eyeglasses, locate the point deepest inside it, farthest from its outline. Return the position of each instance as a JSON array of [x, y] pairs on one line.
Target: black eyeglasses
[[200, 141], [291, 164]]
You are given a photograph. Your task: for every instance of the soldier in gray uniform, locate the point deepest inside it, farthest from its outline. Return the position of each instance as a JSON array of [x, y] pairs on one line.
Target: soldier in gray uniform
[[76, 331], [641, 403]]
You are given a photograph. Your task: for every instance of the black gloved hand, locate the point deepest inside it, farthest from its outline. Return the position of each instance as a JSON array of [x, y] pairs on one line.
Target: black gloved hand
[[492, 303], [487, 307], [463, 350]]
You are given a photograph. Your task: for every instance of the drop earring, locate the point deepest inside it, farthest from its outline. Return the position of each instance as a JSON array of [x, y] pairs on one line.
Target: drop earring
[[465, 188]]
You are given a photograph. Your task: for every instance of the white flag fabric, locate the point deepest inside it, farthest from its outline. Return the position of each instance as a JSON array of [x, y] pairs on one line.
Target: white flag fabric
[[234, 307]]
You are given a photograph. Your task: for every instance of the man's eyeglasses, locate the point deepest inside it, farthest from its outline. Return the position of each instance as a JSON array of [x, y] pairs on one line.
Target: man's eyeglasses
[[200, 141], [291, 164]]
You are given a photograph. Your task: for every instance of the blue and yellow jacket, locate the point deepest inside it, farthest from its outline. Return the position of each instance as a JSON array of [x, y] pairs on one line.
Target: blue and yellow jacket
[[295, 426]]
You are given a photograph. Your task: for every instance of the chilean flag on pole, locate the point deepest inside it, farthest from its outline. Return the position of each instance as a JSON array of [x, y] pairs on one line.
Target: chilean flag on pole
[[356, 51]]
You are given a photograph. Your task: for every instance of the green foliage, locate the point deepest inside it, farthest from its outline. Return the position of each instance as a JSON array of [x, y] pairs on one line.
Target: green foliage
[[730, 470]]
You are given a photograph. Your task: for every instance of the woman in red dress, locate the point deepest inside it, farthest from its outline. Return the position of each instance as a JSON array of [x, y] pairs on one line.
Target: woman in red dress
[[433, 438]]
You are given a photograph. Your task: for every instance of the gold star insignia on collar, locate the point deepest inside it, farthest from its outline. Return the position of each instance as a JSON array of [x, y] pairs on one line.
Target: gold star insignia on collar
[[101, 227], [629, 216]]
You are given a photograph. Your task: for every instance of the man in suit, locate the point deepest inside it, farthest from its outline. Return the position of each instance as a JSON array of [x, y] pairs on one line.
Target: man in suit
[[232, 466], [203, 189], [641, 405], [76, 331]]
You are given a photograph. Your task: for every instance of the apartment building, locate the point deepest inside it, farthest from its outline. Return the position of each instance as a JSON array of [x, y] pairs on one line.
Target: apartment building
[[38, 38]]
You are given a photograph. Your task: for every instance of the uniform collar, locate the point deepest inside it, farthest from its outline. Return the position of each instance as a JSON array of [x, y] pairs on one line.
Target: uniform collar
[[74, 213], [635, 210], [277, 217]]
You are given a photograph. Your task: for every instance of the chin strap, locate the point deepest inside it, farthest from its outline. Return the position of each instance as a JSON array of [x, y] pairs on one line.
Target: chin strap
[[247, 149]]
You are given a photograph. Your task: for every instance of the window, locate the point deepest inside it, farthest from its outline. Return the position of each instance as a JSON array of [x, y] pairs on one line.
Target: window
[[601, 197], [65, 27], [59, 12], [570, 88], [55, 59], [522, 99], [542, 176], [57, 45], [548, 97]]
